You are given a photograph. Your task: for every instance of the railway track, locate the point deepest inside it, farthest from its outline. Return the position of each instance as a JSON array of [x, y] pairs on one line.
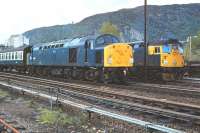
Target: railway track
[[180, 88], [108, 97], [175, 88]]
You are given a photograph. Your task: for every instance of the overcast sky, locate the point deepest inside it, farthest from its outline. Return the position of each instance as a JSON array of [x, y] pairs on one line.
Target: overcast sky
[[17, 16]]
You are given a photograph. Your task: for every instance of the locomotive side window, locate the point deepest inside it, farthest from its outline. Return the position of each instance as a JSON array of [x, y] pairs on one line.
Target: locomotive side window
[[98, 57], [61, 45], [157, 50], [72, 55]]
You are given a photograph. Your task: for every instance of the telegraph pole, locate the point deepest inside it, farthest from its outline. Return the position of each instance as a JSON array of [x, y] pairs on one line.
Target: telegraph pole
[[190, 55], [145, 39]]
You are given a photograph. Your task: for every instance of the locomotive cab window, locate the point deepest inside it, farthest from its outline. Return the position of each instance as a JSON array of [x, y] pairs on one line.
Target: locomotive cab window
[[180, 49], [157, 50], [166, 49], [106, 39], [72, 55]]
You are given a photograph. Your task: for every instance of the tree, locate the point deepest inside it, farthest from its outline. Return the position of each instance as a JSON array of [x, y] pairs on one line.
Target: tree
[[109, 28], [195, 49]]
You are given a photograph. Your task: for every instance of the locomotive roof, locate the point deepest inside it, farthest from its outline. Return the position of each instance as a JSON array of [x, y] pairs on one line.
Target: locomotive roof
[[71, 42], [161, 42], [66, 42]]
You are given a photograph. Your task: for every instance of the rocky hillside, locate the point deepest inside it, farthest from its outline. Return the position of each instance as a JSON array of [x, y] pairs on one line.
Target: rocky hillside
[[177, 21]]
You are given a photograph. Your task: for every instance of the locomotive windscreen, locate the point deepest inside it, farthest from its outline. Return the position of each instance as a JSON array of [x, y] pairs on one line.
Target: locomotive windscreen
[[106, 39]]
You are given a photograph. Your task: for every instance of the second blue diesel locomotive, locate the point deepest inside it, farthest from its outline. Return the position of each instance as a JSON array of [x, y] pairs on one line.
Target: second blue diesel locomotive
[[164, 60]]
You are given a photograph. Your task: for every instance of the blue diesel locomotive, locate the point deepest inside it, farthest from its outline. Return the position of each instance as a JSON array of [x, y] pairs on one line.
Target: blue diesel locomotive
[[91, 58]]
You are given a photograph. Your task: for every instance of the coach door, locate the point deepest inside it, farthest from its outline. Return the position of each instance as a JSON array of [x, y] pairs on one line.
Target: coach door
[[27, 52]]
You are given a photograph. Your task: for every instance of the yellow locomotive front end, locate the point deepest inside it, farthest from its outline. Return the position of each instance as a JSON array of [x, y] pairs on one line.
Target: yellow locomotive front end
[[174, 58], [118, 59], [168, 59], [118, 55]]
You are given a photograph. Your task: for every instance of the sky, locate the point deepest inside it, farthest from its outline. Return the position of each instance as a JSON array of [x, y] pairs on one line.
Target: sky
[[18, 16]]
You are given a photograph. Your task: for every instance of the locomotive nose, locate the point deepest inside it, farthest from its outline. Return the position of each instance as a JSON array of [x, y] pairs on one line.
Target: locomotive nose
[[118, 55]]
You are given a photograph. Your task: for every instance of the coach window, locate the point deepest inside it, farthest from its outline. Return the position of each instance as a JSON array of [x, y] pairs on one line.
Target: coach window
[[7, 56], [21, 55], [15, 55], [10, 56], [18, 55]]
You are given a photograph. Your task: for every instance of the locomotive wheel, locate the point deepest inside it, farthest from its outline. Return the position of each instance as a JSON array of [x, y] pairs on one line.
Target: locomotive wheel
[[90, 75], [168, 77]]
